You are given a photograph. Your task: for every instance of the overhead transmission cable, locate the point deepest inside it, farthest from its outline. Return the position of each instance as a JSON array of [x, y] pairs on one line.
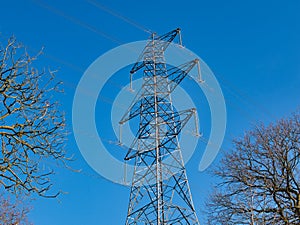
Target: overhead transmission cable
[[77, 21], [237, 94], [109, 37], [118, 15], [97, 31]]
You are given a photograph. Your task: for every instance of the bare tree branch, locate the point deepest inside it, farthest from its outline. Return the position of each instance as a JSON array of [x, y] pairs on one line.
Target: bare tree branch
[[13, 211], [31, 123]]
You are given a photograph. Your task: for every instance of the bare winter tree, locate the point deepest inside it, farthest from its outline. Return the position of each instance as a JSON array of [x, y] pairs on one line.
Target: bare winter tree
[[260, 178], [13, 212], [31, 124]]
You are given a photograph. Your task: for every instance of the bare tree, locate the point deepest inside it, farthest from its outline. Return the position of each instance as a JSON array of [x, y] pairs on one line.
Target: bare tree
[[31, 123], [13, 212], [260, 178]]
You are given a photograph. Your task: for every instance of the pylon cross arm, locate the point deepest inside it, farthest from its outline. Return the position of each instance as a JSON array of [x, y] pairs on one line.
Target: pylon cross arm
[[162, 42]]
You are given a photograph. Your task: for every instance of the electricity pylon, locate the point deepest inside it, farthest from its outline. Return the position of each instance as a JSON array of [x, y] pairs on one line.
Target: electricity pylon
[[160, 193]]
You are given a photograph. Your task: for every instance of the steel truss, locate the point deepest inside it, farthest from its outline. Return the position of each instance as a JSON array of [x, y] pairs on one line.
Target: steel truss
[[160, 193]]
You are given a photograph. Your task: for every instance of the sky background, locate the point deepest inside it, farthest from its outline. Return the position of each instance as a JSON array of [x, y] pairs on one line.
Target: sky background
[[251, 46]]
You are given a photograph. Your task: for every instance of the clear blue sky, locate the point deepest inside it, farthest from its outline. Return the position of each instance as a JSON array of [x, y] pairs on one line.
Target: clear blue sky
[[252, 47]]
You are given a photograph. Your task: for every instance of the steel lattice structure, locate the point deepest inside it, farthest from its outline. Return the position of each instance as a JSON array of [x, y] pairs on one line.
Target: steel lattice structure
[[160, 193]]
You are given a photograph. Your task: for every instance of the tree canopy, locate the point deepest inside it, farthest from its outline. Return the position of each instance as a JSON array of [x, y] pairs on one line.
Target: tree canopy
[[260, 177]]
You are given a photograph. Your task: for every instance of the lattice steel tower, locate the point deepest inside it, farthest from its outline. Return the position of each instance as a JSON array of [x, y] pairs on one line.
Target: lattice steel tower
[[160, 193]]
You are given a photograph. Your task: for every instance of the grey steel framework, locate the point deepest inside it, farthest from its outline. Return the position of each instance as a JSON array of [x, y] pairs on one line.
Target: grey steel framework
[[160, 192]]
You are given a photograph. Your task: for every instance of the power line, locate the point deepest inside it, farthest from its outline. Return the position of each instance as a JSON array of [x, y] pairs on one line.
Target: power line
[[105, 35], [77, 21], [233, 91], [118, 15]]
